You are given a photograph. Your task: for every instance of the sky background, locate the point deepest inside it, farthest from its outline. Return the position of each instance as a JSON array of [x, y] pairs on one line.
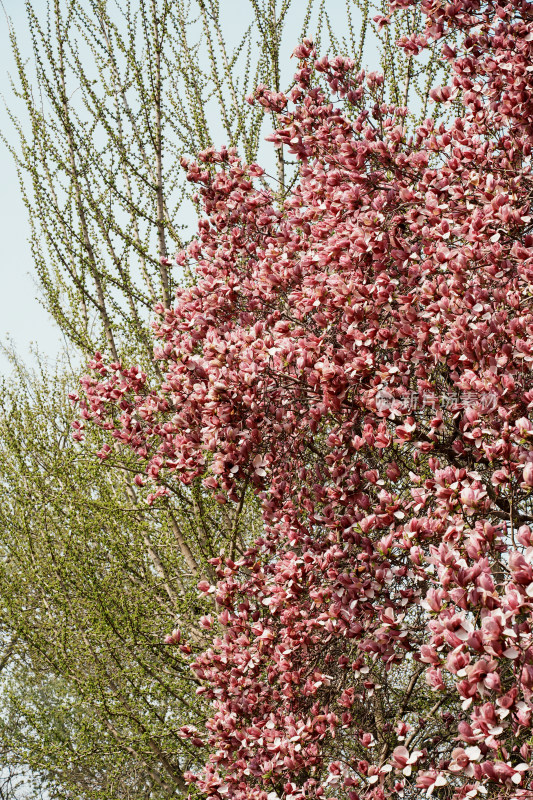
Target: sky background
[[23, 320], [21, 315]]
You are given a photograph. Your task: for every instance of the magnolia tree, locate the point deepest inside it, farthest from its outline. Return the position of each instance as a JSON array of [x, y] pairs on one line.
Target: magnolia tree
[[360, 356]]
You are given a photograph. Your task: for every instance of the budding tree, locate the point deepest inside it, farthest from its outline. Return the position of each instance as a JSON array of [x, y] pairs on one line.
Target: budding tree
[[107, 98], [360, 356]]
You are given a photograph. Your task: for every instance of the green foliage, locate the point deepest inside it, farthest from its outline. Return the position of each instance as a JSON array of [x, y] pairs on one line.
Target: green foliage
[[91, 578]]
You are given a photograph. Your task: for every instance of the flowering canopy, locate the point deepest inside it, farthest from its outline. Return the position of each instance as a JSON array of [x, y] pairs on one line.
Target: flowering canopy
[[360, 356]]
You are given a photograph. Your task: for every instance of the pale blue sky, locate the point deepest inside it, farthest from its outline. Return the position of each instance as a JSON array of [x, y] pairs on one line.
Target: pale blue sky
[[21, 316]]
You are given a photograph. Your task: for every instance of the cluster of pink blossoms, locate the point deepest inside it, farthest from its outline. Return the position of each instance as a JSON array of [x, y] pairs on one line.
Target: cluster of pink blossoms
[[377, 641]]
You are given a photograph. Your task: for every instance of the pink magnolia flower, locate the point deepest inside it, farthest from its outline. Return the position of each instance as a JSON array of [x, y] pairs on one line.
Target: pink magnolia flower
[[357, 356]]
